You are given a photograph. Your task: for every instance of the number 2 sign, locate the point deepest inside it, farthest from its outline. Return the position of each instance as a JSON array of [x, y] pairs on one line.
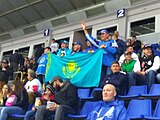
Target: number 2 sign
[[120, 13]]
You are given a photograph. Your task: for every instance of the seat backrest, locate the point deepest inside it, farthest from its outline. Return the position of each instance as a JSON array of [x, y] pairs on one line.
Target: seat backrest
[[157, 109], [155, 89], [138, 108], [88, 107], [95, 89], [136, 90], [82, 93]]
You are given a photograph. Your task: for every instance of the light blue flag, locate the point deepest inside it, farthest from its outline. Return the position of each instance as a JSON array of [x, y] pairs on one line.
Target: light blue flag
[[82, 69]]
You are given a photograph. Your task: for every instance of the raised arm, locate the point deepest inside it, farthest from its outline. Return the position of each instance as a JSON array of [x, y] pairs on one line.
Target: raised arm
[[84, 27]]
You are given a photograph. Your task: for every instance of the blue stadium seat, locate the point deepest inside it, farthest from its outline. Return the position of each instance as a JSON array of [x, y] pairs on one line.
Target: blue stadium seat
[[86, 109], [139, 108], [156, 115], [83, 93], [154, 91], [95, 89], [90, 97], [135, 91]]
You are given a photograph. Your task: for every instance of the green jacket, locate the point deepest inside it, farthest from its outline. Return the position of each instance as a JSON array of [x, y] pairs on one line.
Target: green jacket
[[128, 67]]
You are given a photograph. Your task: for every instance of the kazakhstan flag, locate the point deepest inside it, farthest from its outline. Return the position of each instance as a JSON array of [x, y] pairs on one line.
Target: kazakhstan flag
[[82, 69]]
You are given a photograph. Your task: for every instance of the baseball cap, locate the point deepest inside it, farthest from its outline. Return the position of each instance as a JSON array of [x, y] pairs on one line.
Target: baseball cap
[[147, 46], [64, 41], [77, 43], [103, 31]]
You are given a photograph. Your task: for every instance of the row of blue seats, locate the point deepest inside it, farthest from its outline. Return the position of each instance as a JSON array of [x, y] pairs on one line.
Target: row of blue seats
[[137, 109], [134, 91], [141, 91]]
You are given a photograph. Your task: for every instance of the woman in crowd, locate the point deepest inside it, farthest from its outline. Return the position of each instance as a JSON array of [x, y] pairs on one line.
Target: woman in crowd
[[4, 94], [21, 105]]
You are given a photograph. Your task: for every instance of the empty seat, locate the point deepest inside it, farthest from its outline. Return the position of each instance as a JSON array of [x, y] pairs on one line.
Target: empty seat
[[135, 91], [83, 93], [86, 109], [139, 108], [154, 91], [156, 115]]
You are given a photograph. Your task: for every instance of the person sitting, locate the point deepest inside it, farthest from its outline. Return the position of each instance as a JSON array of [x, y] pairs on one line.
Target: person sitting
[[48, 95], [66, 99], [4, 94], [64, 50], [118, 78], [130, 64], [109, 108], [149, 66], [33, 86], [128, 49], [21, 105]]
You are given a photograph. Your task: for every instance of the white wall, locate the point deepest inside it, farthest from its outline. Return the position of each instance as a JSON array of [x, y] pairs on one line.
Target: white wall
[[133, 13]]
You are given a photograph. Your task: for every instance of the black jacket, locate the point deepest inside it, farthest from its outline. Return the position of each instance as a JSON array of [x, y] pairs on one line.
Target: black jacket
[[119, 80], [4, 75], [67, 96]]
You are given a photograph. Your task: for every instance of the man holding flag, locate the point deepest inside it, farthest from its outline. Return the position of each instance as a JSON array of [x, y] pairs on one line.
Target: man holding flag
[[109, 47]]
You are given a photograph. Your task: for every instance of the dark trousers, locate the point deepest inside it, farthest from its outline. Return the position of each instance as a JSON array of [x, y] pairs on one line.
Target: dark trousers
[[60, 112], [148, 79]]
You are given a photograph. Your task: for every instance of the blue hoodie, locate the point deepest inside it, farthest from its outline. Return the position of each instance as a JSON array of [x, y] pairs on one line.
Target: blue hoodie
[[109, 54], [109, 111]]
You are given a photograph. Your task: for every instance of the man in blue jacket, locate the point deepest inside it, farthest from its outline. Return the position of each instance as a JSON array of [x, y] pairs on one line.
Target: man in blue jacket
[[64, 50], [42, 63], [109, 47], [109, 108]]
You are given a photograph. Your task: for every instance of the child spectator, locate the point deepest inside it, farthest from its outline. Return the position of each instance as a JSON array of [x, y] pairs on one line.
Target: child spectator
[[48, 95]]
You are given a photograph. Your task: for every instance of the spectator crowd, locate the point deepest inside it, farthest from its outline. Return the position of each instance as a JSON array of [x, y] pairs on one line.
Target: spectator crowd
[[124, 64]]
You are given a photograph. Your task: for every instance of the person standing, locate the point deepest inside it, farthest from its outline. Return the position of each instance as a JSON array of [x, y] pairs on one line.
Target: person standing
[[109, 47]]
